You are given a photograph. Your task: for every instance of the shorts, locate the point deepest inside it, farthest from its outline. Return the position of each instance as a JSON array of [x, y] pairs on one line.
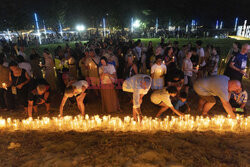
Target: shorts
[[37, 100], [155, 100], [209, 99], [188, 81]]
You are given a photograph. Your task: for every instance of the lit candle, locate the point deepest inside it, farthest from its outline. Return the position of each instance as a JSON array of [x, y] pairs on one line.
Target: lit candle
[[4, 85]]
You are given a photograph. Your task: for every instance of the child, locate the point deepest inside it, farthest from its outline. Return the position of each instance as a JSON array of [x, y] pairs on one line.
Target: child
[[182, 104], [162, 99], [187, 68], [238, 101]]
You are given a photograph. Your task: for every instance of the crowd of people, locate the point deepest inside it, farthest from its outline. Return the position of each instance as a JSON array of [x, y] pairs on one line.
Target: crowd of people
[[105, 67]]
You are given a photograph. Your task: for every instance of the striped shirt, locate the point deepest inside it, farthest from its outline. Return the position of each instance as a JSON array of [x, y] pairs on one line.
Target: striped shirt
[[241, 97]]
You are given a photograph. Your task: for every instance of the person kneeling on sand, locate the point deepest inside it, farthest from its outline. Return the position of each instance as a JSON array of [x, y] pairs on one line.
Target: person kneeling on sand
[[76, 90], [38, 94], [162, 99]]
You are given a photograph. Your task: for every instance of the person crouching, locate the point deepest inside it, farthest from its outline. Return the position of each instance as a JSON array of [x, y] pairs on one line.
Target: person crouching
[[76, 90]]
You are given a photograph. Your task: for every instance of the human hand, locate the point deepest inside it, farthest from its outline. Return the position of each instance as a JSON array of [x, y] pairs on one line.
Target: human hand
[[42, 101], [19, 86]]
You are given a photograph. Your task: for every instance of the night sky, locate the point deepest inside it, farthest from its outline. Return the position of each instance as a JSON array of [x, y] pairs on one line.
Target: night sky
[[18, 14]]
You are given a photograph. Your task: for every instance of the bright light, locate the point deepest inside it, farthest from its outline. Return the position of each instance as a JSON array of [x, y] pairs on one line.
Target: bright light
[[137, 23], [80, 27]]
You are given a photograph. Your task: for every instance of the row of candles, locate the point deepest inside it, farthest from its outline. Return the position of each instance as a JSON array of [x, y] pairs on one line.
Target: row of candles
[[108, 123]]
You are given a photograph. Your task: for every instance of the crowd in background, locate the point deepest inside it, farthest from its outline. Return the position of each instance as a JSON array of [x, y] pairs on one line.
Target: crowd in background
[[105, 64]]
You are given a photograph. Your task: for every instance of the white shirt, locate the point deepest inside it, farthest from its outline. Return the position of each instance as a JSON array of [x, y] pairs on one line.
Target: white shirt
[[158, 70], [26, 66], [138, 52], [201, 53], [187, 67], [133, 85], [158, 79], [161, 96], [79, 85], [108, 69]]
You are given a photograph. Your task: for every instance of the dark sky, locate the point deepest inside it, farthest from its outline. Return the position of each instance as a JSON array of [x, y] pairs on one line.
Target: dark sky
[[19, 13]]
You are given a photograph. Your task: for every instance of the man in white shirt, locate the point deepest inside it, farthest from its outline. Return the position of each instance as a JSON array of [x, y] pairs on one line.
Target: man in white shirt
[[139, 85], [76, 90]]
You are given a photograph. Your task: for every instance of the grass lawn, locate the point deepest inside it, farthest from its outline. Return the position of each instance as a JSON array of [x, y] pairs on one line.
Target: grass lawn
[[224, 44]]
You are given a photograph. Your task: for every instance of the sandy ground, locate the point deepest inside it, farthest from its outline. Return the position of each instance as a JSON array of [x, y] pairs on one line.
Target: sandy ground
[[59, 149]]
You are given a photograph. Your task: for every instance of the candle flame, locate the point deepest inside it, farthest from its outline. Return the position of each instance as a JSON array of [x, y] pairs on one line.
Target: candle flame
[[108, 123]]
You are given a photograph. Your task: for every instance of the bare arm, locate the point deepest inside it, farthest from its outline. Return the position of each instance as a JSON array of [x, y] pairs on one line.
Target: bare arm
[[231, 65], [243, 105], [135, 69], [227, 106], [46, 96], [176, 111], [62, 105]]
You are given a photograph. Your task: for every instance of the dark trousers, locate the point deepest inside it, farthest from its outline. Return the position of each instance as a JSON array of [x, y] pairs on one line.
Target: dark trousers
[[3, 98]]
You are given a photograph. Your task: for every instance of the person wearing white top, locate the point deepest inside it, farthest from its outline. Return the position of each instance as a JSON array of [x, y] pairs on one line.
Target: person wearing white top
[[110, 102], [201, 55], [76, 90], [162, 98], [139, 85], [158, 70], [187, 68]]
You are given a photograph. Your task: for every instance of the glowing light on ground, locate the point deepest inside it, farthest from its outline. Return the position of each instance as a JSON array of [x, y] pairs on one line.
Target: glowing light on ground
[[148, 124]]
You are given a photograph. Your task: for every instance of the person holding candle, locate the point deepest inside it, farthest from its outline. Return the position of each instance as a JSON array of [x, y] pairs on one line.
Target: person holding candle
[[188, 70], [110, 102], [93, 74], [139, 85], [162, 99], [158, 70], [238, 64], [39, 93], [77, 90], [19, 80], [220, 86]]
